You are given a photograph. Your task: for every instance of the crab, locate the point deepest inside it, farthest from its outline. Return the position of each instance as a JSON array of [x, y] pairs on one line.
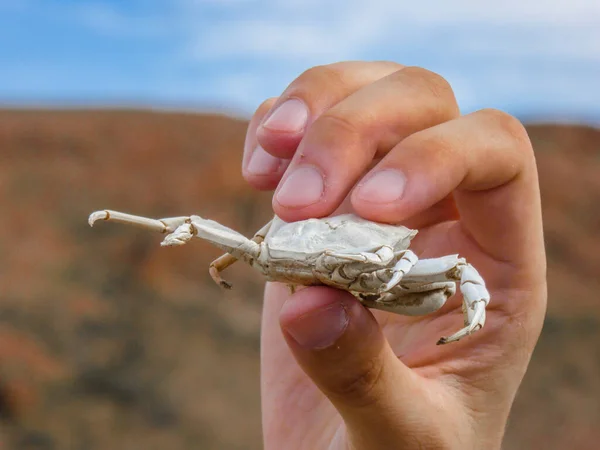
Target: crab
[[370, 260]]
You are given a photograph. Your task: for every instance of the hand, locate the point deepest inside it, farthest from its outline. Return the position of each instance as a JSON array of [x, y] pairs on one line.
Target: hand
[[388, 142]]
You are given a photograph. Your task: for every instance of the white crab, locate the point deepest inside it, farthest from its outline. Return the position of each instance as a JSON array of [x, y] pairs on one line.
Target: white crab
[[370, 260]]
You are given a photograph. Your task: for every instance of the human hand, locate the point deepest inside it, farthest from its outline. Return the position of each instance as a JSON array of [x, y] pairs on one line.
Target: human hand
[[389, 143]]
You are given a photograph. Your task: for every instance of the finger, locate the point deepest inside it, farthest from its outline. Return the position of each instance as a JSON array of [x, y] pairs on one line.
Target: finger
[[441, 211], [339, 146], [486, 160], [309, 96], [262, 170], [340, 346]]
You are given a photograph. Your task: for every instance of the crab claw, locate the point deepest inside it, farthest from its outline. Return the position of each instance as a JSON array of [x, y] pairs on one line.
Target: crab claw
[[181, 235], [162, 226], [98, 215]]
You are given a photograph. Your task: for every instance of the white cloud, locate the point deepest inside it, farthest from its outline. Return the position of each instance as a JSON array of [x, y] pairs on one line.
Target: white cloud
[[504, 47], [260, 38], [108, 20], [499, 54], [314, 31]]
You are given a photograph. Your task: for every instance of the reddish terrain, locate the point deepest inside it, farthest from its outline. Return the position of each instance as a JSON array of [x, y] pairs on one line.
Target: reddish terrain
[[109, 341]]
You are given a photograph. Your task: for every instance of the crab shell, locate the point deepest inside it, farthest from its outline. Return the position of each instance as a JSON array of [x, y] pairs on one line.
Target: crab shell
[[346, 233]]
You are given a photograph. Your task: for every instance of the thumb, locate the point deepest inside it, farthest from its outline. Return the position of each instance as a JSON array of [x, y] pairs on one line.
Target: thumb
[[340, 346]]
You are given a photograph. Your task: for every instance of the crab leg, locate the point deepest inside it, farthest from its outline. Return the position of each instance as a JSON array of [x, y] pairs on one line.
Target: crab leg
[[475, 298], [406, 262], [416, 300], [226, 260], [183, 229], [161, 225], [475, 295]]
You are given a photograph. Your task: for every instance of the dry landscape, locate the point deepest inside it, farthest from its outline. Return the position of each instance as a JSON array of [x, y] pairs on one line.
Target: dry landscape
[[109, 341]]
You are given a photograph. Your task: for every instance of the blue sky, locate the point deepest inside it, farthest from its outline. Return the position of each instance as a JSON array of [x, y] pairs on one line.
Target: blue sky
[[536, 59]]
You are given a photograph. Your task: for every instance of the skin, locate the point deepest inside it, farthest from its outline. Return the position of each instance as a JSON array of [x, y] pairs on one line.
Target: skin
[[338, 376]]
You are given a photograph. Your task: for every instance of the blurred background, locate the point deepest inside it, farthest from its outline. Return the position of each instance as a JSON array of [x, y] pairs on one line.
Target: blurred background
[[109, 341]]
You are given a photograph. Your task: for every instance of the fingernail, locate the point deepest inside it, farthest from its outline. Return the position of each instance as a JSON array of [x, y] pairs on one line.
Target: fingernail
[[382, 187], [262, 163], [290, 117], [319, 329], [303, 187]]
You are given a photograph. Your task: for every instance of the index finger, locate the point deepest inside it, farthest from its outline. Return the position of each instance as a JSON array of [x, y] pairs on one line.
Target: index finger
[[486, 160]]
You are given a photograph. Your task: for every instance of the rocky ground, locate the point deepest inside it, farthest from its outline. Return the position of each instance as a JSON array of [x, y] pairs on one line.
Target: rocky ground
[[108, 340]]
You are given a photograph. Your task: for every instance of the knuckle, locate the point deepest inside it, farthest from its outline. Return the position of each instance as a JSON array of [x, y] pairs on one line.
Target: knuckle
[[339, 126], [434, 145], [505, 121], [359, 389], [509, 125], [436, 84], [324, 75]]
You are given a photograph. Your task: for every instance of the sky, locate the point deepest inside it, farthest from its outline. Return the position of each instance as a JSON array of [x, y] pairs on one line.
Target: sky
[[536, 59]]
